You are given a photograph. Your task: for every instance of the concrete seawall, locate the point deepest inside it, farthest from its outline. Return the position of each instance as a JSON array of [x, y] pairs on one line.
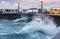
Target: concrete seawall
[[9, 16], [57, 20], [12, 16]]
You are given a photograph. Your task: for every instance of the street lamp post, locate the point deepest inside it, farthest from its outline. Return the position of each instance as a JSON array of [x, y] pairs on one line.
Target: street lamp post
[[41, 6], [18, 7], [18, 10]]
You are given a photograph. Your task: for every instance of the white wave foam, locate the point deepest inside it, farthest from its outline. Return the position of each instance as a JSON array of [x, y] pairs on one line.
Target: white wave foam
[[4, 33], [23, 18], [43, 24]]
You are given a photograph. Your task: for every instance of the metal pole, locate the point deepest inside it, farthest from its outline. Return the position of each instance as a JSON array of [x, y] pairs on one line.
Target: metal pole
[[18, 7], [18, 15], [41, 6]]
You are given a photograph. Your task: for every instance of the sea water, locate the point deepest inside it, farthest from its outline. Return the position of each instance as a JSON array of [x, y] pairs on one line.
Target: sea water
[[41, 27]]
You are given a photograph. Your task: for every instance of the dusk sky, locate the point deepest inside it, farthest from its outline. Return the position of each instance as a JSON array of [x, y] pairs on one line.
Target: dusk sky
[[12, 4]]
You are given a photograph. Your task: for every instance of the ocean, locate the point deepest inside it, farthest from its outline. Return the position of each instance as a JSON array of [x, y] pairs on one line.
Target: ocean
[[41, 27]]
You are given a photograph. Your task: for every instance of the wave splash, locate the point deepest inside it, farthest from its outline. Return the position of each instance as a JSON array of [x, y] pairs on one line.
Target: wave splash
[[41, 27]]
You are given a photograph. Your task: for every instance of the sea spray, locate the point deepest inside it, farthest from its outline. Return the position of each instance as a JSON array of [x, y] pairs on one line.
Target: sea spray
[[21, 19], [41, 26]]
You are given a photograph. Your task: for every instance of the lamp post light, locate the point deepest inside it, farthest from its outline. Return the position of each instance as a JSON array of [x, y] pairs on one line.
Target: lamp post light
[[41, 6]]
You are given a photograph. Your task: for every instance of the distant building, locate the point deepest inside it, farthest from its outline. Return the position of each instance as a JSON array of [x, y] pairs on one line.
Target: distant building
[[9, 10], [24, 10], [32, 10], [55, 10]]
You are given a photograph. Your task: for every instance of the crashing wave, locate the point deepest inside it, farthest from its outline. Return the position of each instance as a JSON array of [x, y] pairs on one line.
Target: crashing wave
[[41, 26]]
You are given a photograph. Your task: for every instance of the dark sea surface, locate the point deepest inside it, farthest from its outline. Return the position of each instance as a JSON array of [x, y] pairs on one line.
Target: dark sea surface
[[41, 27]]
